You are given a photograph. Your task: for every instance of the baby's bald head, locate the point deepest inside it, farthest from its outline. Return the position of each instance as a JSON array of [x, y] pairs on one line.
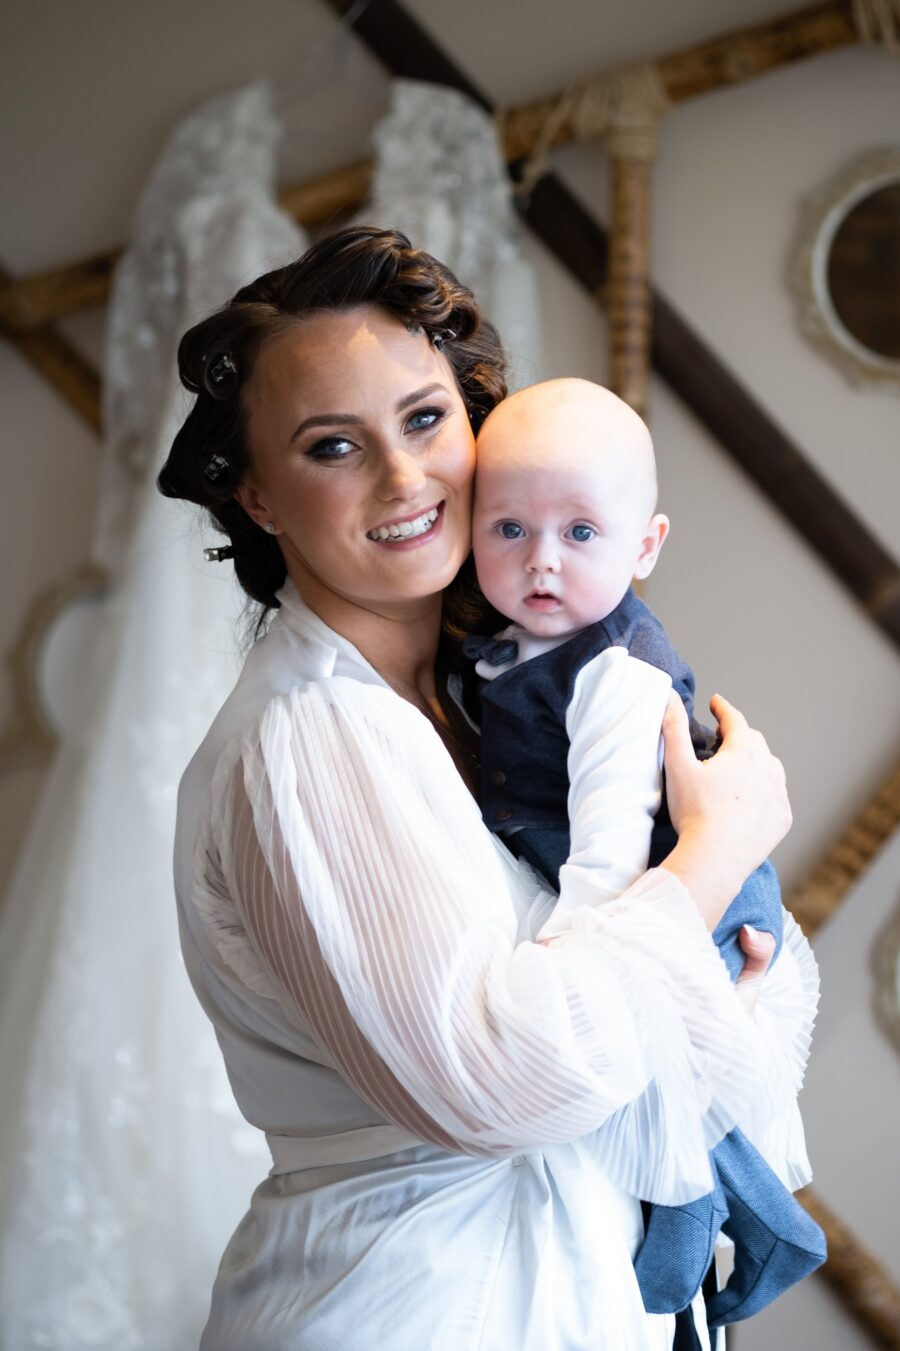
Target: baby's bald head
[[565, 491], [571, 424]]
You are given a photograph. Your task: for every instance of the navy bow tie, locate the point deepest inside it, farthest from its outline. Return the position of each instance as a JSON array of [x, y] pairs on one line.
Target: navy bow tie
[[495, 651]]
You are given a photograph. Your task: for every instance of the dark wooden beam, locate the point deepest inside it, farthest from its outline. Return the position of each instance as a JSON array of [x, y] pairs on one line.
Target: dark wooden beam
[[714, 395]]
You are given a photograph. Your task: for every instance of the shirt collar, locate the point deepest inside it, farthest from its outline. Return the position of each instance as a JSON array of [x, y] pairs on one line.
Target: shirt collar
[[327, 653]]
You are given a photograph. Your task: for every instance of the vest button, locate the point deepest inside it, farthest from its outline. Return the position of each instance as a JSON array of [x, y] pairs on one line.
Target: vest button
[[502, 814], [498, 778]]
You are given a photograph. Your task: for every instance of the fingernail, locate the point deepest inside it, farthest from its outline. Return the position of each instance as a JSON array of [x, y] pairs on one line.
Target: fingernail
[[748, 928]]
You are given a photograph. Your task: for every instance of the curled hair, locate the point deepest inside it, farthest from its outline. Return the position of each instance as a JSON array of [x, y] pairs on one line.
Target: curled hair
[[360, 265]]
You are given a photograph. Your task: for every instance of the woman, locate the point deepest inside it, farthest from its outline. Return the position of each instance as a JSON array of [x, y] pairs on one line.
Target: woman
[[460, 1115]]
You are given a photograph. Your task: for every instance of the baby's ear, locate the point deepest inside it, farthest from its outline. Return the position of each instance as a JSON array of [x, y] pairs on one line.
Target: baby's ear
[[653, 540]]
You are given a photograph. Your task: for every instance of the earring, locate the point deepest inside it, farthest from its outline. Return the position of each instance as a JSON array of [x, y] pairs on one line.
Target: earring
[[269, 527]]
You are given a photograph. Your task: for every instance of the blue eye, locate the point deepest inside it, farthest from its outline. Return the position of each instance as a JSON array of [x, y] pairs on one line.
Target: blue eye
[[581, 533], [424, 418], [510, 530], [331, 448]]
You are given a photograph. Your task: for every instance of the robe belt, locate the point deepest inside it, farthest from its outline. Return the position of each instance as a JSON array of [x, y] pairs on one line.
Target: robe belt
[[292, 1153]]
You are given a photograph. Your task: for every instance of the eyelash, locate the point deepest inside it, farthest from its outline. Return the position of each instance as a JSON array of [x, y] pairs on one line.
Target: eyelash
[[323, 450]]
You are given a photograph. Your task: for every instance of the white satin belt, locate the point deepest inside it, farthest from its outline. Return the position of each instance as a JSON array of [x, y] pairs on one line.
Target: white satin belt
[[291, 1153]]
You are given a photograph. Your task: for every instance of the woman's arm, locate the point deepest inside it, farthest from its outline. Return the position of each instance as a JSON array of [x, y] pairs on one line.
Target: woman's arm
[[729, 811], [383, 911]]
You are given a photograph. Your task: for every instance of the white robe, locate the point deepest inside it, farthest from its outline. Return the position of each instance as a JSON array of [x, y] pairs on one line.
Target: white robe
[[461, 1112]]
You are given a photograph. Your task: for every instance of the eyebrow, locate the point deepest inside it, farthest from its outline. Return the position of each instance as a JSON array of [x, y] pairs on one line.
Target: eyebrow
[[351, 420]]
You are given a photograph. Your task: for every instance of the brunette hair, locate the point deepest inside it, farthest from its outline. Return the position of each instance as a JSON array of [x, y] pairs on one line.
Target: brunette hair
[[360, 265]]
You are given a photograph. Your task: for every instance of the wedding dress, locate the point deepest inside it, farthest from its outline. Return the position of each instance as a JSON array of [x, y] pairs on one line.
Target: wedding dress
[[441, 179], [125, 1162]]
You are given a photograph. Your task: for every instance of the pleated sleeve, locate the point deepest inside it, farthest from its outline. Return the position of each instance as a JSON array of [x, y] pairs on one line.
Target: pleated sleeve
[[367, 897]]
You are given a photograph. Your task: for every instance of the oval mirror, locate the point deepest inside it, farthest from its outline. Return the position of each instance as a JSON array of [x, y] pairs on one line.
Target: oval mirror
[[847, 268]]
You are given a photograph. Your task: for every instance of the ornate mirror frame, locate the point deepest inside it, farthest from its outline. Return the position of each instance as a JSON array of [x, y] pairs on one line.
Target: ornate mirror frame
[[823, 213]]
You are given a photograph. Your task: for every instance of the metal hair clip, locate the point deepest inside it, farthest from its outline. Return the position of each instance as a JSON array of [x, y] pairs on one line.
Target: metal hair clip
[[438, 339], [215, 467], [221, 368], [219, 555]]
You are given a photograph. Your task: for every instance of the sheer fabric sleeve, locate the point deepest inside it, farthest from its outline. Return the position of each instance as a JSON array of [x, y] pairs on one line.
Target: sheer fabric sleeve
[[784, 1011], [379, 907]]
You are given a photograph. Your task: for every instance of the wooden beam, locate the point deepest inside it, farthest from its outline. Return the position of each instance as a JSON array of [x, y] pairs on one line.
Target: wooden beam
[[859, 1281], [754, 51], [700, 69], [816, 900], [743, 428], [31, 302], [696, 70], [73, 378], [319, 199]]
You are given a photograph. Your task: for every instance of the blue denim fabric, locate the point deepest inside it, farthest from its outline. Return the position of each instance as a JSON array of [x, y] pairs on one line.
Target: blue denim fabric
[[776, 1243], [758, 903]]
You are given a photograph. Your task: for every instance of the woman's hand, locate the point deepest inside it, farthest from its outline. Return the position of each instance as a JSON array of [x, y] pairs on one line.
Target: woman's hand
[[729, 811]]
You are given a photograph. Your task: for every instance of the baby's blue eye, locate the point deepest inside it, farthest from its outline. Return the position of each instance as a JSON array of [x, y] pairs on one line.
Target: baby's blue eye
[[510, 530], [582, 533]]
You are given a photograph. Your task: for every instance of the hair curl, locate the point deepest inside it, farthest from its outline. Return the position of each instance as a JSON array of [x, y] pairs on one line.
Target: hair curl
[[360, 265]]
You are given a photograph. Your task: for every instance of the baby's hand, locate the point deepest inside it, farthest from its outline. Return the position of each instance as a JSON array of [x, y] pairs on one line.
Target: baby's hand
[[759, 948]]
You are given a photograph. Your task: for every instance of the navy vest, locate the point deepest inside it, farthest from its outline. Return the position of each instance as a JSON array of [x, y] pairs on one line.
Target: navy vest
[[525, 745]]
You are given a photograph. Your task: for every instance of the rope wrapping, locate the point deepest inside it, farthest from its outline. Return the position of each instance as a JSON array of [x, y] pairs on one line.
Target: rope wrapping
[[878, 22], [621, 107]]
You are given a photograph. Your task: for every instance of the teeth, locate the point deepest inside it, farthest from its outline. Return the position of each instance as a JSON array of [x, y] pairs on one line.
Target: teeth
[[406, 529]]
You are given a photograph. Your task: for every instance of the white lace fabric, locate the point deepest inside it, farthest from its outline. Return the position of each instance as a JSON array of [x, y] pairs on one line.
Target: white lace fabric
[[206, 223], [441, 179]]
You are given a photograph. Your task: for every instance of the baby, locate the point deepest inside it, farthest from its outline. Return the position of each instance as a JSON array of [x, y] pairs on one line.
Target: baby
[[572, 702]]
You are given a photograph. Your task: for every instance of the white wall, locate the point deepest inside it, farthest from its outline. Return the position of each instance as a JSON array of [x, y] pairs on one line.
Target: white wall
[[756, 612]]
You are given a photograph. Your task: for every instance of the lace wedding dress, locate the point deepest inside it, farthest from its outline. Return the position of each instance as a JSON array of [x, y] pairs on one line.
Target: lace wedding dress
[[125, 1161], [441, 179]]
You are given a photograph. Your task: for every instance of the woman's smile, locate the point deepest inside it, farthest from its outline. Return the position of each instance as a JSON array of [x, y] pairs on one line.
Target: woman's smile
[[417, 528]]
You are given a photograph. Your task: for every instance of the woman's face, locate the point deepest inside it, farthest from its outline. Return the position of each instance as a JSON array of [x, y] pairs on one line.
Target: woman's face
[[362, 457]]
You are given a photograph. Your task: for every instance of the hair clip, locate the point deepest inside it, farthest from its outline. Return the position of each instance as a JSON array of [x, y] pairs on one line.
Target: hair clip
[[444, 335], [219, 370], [219, 555], [215, 467]]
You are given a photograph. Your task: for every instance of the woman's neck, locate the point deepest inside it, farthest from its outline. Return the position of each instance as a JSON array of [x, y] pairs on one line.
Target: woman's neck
[[399, 640]]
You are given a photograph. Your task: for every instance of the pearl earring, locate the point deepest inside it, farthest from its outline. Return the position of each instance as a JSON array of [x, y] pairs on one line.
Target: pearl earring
[[269, 527]]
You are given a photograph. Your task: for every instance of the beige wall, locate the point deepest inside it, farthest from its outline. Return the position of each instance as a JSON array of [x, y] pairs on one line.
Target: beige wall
[[749, 603]]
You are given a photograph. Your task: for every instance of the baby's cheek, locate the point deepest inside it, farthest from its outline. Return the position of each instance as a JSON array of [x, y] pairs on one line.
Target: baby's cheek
[[494, 575]]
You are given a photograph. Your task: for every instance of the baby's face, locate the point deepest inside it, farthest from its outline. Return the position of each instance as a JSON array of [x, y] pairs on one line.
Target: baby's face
[[561, 519]]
